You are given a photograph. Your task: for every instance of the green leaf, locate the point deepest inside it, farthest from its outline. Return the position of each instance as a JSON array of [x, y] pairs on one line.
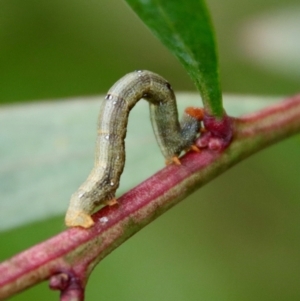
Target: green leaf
[[185, 28]]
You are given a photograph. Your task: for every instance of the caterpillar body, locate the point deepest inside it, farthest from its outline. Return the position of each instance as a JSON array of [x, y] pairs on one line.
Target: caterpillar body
[[173, 137]]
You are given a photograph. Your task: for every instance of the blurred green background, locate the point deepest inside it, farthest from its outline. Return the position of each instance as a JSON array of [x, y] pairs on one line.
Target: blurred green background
[[60, 48], [235, 239]]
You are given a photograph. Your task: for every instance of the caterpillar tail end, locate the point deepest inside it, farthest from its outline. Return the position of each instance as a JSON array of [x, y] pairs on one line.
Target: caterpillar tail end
[[77, 218]]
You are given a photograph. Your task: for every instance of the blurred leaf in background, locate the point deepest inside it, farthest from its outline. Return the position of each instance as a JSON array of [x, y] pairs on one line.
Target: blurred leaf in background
[[69, 48]]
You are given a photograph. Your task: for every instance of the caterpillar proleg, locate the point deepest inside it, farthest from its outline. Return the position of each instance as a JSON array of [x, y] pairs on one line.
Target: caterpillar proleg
[[173, 137]]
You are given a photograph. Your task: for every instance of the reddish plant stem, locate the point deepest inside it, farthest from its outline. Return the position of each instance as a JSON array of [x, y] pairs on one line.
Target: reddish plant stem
[[68, 258], [219, 132]]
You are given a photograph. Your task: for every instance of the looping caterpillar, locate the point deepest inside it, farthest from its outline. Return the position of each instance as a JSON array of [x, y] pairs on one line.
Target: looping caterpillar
[[173, 137]]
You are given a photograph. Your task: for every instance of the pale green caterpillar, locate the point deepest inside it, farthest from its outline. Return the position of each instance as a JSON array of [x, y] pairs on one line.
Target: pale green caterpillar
[[172, 137]]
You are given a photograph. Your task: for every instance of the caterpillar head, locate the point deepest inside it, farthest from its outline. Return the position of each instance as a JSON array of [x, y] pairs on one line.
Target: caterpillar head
[[79, 211]]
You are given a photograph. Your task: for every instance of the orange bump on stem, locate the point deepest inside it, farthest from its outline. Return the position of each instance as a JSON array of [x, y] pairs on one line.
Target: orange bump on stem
[[197, 113]]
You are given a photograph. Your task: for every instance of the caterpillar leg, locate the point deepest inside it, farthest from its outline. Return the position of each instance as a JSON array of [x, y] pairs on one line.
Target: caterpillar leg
[[194, 148], [79, 218], [174, 160], [111, 202]]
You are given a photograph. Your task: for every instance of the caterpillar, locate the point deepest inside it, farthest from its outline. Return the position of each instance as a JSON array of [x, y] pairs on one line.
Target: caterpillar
[[172, 137]]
